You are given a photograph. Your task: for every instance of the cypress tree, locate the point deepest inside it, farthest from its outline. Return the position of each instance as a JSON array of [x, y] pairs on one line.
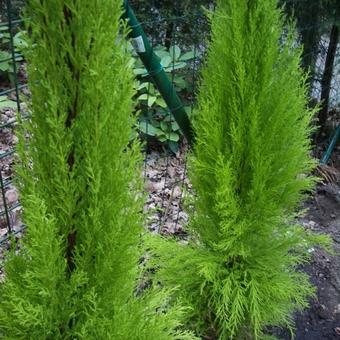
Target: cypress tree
[[76, 273], [250, 169]]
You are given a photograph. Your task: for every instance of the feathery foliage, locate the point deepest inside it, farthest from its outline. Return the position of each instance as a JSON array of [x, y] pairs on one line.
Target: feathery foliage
[[76, 273], [249, 170]]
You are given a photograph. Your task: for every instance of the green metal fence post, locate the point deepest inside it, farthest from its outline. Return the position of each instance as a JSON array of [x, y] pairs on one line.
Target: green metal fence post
[[155, 69], [331, 146]]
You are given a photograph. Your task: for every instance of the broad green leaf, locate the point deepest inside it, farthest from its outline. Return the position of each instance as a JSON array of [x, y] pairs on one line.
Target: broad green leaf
[[176, 66], [174, 52], [166, 61], [149, 129], [152, 90], [142, 85], [151, 100], [162, 138], [143, 96], [5, 66], [180, 82], [187, 56], [161, 52], [20, 41], [165, 126], [173, 136], [6, 36], [174, 126], [140, 71], [6, 103], [4, 55], [160, 48], [155, 123], [160, 101]]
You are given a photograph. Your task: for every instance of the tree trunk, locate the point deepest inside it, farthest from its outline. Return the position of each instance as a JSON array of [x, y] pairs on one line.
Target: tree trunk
[[307, 22], [310, 36], [327, 76]]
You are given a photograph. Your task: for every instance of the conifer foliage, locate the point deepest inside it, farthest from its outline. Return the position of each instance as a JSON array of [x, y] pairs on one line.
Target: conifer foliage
[[76, 273], [249, 169]]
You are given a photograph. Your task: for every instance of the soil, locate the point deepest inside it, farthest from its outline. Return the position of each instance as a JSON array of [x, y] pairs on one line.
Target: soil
[[322, 319]]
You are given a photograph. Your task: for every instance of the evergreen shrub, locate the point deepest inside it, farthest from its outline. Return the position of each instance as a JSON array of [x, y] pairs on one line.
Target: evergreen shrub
[[250, 170], [76, 273]]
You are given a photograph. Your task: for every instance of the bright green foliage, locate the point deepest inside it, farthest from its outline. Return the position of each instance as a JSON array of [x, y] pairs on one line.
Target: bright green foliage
[[6, 62], [76, 274], [155, 119], [249, 170]]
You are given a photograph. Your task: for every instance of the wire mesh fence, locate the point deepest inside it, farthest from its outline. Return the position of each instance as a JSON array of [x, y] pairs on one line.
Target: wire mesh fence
[[179, 35], [12, 85]]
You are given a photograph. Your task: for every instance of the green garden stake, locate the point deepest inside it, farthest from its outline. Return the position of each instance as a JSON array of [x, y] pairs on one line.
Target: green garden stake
[[152, 63], [331, 146]]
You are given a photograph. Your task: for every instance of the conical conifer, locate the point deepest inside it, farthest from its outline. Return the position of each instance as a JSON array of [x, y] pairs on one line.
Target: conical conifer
[[250, 169], [76, 273]]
